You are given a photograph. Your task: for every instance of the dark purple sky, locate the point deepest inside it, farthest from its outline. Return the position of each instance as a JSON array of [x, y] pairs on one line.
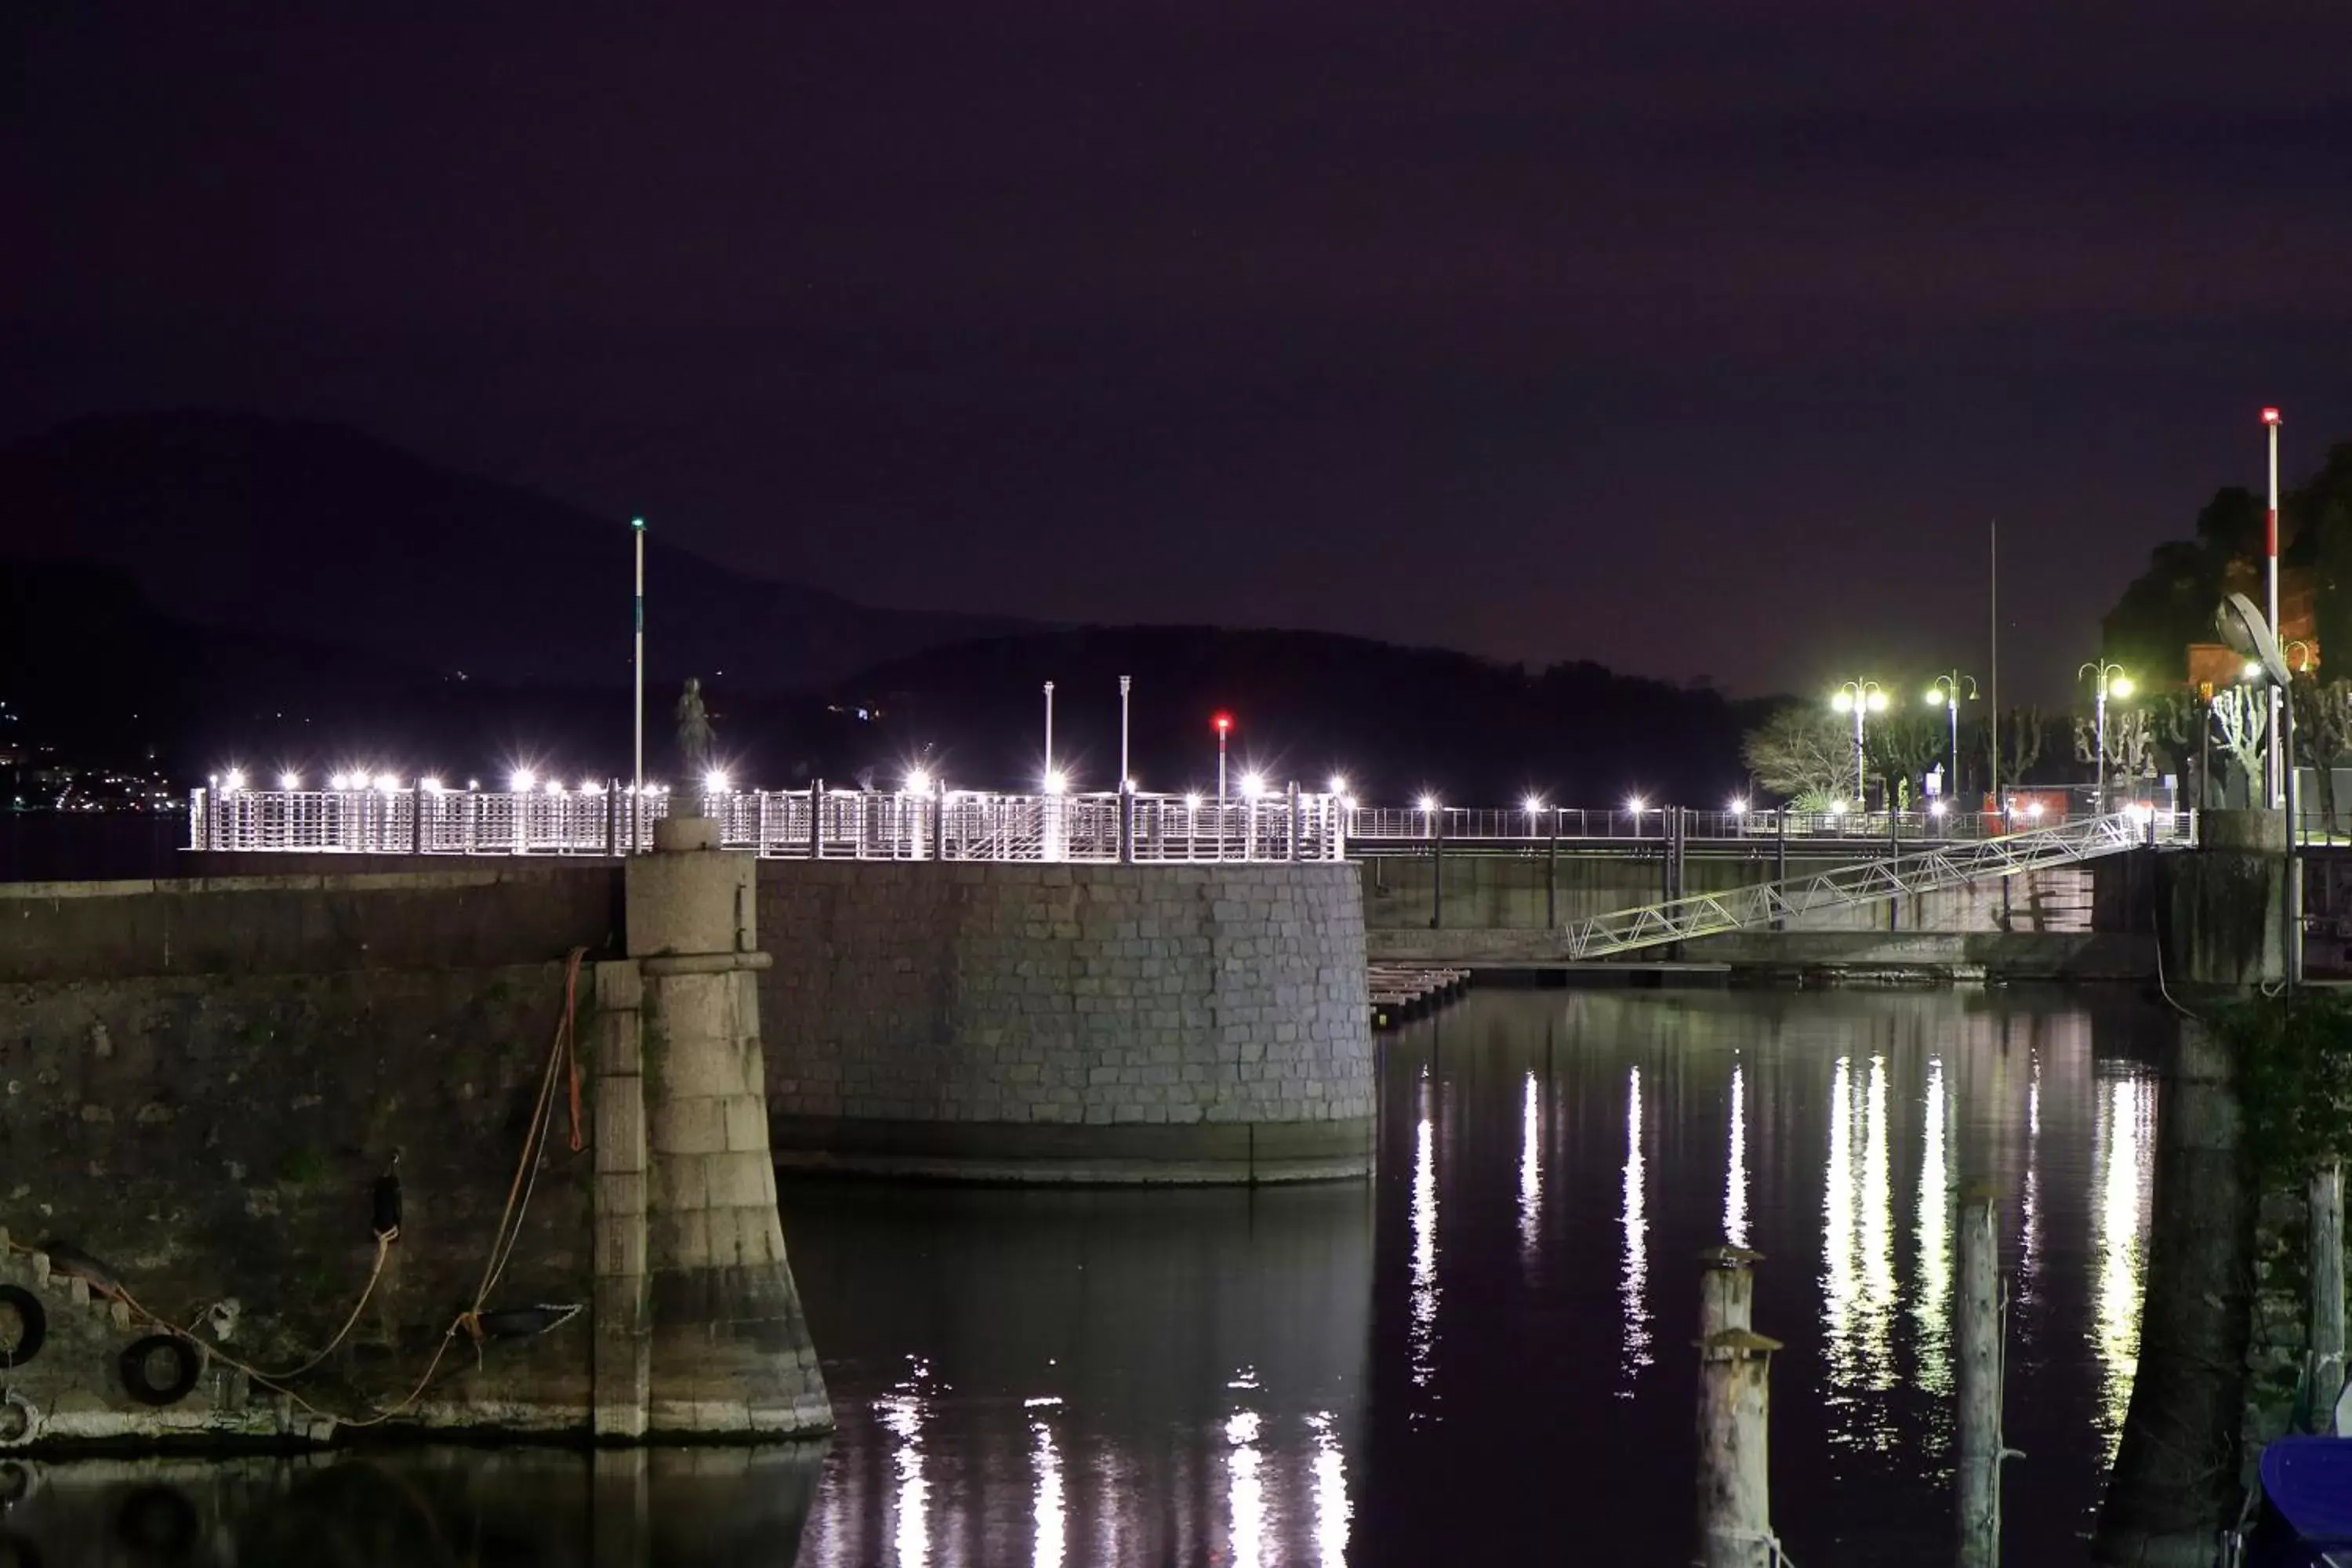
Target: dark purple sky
[[1695, 337]]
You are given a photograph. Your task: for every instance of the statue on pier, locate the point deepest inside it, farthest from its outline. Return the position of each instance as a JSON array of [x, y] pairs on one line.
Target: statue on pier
[[693, 729]]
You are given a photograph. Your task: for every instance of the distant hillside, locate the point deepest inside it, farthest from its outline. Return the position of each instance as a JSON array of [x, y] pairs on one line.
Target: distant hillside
[[1395, 719], [315, 533]]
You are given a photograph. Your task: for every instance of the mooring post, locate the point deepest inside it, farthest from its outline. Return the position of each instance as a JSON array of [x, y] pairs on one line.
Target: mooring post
[[2327, 1292], [1735, 1514], [1981, 1363]]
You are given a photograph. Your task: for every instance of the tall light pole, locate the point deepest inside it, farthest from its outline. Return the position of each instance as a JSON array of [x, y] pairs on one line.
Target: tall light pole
[[1945, 692], [2112, 682], [1049, 731], [1126, 779], [1223, 724], [1857, 698], [637, 665], [2277, 780]]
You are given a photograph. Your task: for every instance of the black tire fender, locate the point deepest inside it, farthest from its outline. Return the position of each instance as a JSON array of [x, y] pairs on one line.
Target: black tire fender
[[136, 1381], [33, 1325]]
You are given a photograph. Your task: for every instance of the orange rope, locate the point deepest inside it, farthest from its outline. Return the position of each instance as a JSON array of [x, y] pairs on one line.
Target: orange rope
[[510, 1233]]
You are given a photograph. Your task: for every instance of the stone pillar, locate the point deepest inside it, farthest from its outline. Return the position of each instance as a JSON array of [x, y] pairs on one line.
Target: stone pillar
[[729, 1348], [2227, 902], [623, 1367]]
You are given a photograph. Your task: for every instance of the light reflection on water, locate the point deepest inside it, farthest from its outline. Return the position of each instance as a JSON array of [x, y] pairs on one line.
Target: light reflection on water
[[1735, 1177], [1530, 1167], [2125, 1182], [1635, 1220], [1933, 1231], [1424, 1245], [1066, 1377]]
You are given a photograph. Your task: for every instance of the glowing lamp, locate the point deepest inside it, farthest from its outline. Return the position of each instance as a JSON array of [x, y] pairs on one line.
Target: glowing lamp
[[715, 781], [1635, 803], [1842, 702], [1339, 784], [1222, 722], [1252, 785], [918, 782], [2270, 416], [1533, 803], [387, 783], [429, 785], [1192, 803], [1056, 781], [521, 781], [1739, 807], [1877, 701], [233, 780], [2121, 685], [1428, 803], [289, 780], [1837, 808]]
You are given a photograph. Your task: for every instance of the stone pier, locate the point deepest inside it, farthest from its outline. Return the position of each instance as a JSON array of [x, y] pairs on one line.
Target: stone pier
[[707, 1334]]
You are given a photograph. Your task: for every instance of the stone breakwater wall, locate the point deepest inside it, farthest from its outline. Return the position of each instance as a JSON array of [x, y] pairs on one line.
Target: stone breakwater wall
[[201, 1084], [1069, 1023]]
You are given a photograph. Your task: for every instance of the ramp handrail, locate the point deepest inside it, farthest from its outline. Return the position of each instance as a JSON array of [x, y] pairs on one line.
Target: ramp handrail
[[1946, 866]]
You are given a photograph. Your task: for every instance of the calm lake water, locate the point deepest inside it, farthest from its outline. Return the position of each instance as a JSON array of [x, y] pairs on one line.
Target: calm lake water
[[1484, 1352]]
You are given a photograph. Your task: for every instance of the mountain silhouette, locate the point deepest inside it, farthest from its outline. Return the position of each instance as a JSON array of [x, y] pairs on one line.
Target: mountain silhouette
[[316, 534]]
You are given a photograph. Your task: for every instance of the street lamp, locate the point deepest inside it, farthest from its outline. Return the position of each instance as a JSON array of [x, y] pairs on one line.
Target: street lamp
[[1224, 725], [1857, 698], [2112, 682], [1944, 692], [2278, 780]]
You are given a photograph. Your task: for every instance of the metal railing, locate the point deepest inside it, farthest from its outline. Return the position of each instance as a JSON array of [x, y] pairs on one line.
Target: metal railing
[[1948, 866], [1372, 828], [808, 824]]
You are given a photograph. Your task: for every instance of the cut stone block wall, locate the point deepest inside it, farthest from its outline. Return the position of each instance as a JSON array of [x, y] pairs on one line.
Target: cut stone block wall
[[1068, 1022]]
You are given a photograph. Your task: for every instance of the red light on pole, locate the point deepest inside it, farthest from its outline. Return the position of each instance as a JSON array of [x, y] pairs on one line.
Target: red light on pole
[[1222, 722], [2270, 416]]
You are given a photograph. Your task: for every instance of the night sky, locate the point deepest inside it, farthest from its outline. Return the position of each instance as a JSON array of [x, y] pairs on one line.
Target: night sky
[[1697, 338]]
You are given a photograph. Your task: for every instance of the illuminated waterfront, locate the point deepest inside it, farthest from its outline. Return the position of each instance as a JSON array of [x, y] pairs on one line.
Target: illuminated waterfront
[[1488, 1343]]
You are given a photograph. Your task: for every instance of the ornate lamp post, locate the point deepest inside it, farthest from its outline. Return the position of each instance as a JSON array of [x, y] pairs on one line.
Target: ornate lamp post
[[1857, 698], [2112, 682], [1945, 692]]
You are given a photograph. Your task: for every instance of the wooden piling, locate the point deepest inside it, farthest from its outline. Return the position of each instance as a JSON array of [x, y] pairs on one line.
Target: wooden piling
[[1981, 1358], [1735, 1514], [2326, 1257]]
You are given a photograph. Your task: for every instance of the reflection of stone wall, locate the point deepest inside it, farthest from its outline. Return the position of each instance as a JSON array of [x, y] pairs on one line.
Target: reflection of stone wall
[[1060, 1022], [739, 1507], [1111, 1360]]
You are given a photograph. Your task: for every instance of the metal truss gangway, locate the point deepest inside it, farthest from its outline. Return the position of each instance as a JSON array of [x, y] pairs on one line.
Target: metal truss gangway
[[1865, 881]]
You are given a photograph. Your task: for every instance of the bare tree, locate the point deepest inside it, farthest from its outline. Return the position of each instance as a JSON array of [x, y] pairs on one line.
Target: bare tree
[[2240, 717], [1802, 752]]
